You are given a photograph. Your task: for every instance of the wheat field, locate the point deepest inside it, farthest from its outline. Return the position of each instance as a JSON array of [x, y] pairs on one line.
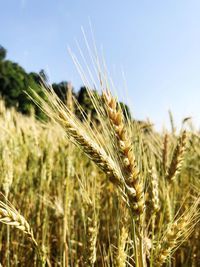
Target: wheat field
[[108, 193]]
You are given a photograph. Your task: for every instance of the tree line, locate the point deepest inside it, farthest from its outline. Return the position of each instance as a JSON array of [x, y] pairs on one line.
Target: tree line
[[16, 84]]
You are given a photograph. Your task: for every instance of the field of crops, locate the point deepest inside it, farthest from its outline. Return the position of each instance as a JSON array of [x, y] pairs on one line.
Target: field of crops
[[113, 193]]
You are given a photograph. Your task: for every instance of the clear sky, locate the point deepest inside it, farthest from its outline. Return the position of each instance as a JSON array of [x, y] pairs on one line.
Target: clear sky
[[156, 43]]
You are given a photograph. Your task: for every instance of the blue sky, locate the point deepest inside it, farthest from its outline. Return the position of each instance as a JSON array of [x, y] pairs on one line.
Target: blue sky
[[156, 43]]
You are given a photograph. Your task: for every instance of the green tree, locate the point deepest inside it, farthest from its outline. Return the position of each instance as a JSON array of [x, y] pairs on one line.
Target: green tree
[[2, 53], [15, 86]]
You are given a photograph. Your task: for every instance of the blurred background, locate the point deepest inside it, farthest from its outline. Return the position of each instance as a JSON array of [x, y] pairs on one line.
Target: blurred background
[[152, 50]]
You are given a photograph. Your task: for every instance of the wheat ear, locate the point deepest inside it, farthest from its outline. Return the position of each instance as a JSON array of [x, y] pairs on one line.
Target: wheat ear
[[154, 191], [128, 162], [92, 232], [178, 157], [57, 111], [121, 253], [10, 216], [177, 232]]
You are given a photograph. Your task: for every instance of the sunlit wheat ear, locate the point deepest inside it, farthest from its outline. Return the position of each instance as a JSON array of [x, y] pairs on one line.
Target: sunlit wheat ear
[[168, 206], [154, 191], [92, 232], [127, 158], [80, 135], [121, 253], [176, 233], [92, 211], [177, 158], [10, 216]]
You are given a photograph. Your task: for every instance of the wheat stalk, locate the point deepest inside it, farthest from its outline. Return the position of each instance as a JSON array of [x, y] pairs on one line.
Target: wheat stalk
[[165, 153]]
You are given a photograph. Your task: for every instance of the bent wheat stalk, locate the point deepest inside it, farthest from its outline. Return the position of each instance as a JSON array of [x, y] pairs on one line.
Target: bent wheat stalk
[[75, 130], [10, 216], [85, 139]]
